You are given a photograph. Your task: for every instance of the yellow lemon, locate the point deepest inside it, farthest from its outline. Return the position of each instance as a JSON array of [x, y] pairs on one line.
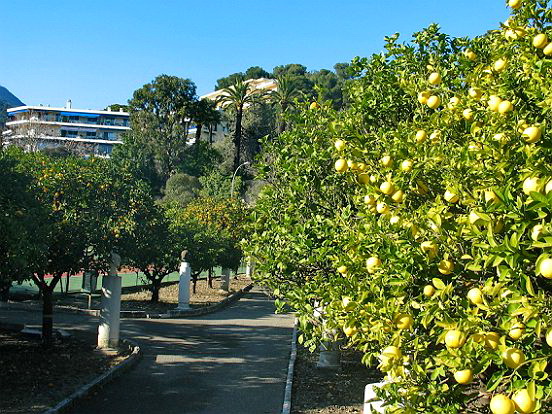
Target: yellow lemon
[[501, 404], [475, 93], [540, 41], [387, 188], [339, 145], [505, 106], [523, 401], [370, 200], [455, 100], [513, 357], [434, 78], [455, 338], [446, 267], [491, 340], [493, 102], [434, 101], [391, 352], [406, 165], [386, 161], [350, 331], [531, 184], [464, 376], [394, 220], [429, 291], [531, 134], [421, 136], [537, 231], [364, 178], [475, 296], [547, 49], [314, 105], [341, 165], [500, 65], [398, 196], [470, 54], [545, 268], [549, 337], [372, 263], [342, 269], [516, 331], [423, 97], [382, 208], [514, 4], [467, 114]]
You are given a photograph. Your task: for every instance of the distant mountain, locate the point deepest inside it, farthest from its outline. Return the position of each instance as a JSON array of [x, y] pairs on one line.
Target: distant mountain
[[9, 99]]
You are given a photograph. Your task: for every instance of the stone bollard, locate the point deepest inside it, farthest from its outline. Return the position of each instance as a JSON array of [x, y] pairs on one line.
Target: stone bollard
[[249, 267], [184, 285], [330, 356], [110, 312], [372, 405], [225, 280]]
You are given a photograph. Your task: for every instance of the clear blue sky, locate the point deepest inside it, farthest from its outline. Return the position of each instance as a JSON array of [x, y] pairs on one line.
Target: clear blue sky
[[97, 53]]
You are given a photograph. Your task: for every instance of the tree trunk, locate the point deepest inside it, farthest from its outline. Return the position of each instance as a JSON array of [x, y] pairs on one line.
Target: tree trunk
[[210, 277], [210, 133], [199, 127], [155, 287], [4, 291], [47, 315], [194, 283], [237, 138], [282, 123]]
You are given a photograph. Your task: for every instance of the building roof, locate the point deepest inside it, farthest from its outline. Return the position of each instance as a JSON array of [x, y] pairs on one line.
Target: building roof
[[264, 84], [66, 110]]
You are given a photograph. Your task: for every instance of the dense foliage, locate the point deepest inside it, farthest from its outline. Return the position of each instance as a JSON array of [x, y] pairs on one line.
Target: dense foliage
[[415, 224]]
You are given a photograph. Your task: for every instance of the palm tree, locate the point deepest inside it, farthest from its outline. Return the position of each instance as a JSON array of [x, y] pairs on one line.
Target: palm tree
[[238, 96], [284, 97], [204, 113]]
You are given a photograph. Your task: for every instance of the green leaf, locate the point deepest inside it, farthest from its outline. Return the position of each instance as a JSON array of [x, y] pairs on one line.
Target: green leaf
[[438, 283]]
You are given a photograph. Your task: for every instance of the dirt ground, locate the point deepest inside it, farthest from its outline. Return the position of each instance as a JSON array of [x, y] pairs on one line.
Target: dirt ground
[[33, 379], [317, 391], [168, 295], [134, 298]]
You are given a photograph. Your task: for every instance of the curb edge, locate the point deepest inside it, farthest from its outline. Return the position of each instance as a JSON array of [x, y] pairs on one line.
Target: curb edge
[[103, 379], [286, 408]]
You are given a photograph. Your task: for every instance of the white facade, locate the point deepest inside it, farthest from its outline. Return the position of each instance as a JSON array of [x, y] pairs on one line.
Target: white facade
[[221, 130], [89, 132]]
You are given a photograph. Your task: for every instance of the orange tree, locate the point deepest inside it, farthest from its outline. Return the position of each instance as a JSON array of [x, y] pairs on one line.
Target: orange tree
[[21, 224], [88, 203], [435, 259], [211, 229]]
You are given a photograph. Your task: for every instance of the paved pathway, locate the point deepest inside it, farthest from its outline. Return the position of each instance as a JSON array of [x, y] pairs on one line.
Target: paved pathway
[[230, 362]]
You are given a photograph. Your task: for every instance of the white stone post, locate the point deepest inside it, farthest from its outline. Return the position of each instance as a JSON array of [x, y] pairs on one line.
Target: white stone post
[[249, 267], [225, 280], [372, 405], [184, 286], [110, 312], [330, 355]]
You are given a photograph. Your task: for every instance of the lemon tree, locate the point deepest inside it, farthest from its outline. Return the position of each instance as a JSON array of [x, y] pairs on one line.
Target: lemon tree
[[427, 205]]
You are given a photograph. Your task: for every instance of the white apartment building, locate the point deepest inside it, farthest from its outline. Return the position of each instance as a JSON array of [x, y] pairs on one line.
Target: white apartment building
[[94, 132], [90, 132]]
